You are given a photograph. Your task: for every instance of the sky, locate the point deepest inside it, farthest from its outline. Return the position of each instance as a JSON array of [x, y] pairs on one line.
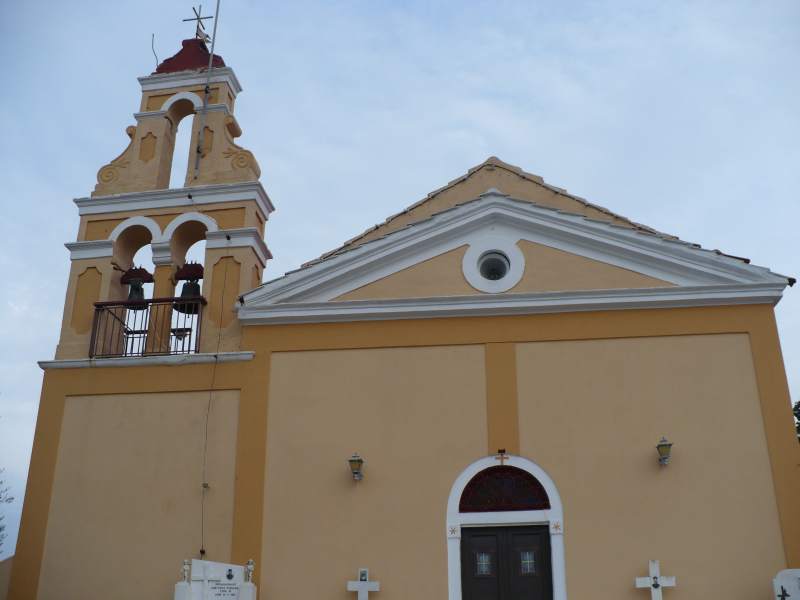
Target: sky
[[680, 115]]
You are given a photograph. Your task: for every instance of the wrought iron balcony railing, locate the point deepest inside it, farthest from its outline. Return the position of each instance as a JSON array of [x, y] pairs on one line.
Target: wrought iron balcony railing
[[147, 327]]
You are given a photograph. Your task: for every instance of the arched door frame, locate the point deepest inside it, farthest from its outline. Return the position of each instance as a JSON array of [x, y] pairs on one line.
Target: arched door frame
[[552, 517]]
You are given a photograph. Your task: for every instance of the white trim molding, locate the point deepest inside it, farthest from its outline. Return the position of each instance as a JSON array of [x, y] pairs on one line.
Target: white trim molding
[[499, 216], [90, 249], [169, 198], [490, 242], [190, 96], [146, 361], [244, 237], [479, 305], [146, 222], [553, 517], [210, 223], [164, 81], [149, 114]]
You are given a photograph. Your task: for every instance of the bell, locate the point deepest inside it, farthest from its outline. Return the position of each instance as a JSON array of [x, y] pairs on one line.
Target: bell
[[135, 278], [190, 290], [136, 292]]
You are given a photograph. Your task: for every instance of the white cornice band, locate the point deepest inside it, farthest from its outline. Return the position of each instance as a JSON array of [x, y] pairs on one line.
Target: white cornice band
[[169, 198], [511, 304], [245, 237], [162, 81], [146, 361], [90, 249], [149, 114], [674, 261]]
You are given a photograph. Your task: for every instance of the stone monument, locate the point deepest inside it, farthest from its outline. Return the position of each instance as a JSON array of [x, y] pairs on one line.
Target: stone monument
[[208, 580]]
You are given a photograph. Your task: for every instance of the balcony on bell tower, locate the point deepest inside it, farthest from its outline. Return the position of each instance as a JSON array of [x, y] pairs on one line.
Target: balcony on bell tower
[[117, 306]]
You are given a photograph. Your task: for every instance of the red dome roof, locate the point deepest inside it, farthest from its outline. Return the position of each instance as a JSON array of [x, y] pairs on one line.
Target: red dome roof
[[192, 57]]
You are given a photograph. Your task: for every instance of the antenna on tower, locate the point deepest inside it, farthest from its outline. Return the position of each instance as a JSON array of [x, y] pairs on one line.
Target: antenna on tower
[[207, 89]]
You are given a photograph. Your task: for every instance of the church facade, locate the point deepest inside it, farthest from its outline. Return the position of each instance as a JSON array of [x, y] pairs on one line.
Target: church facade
[[503, 392]]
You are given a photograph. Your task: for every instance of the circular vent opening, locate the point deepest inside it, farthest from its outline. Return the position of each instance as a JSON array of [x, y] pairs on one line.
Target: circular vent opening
[[493, 265]]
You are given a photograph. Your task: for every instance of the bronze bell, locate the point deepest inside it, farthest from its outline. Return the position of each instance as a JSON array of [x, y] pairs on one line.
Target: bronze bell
[[190, 290], [135, 278], [190, 274], [136, 290]]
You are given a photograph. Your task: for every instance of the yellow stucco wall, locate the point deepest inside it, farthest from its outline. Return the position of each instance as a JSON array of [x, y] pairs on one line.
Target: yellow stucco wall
[[342, 365], [126, 493], [546, 269], [591, 413], [245, 213], [415, 415], [5, 576]]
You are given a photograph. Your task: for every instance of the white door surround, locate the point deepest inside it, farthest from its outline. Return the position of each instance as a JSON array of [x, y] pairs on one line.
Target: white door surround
[[553, 517]]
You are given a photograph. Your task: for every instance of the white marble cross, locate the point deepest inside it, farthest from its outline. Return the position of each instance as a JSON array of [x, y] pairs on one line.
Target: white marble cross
[[363, 586], [655, 581]]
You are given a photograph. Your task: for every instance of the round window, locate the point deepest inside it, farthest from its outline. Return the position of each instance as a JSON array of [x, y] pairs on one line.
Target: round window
[[493, 265]]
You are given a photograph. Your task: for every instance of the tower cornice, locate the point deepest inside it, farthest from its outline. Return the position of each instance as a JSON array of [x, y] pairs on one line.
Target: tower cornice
[[160, 81], [188, 196]]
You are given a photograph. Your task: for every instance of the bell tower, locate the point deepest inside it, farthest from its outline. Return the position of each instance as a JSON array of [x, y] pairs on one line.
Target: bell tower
[[174, 91], [220, 200]]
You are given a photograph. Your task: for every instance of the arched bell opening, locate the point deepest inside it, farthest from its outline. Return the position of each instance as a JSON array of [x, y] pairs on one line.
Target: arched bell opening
[[181, 118], [132, 249], [121, 319], [142, 267], [188, 247], [196, 255], [189, 235]]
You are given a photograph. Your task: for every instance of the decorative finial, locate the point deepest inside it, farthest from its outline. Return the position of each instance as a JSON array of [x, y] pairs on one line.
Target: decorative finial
[[249, 568], [200, 30], [185, 570]]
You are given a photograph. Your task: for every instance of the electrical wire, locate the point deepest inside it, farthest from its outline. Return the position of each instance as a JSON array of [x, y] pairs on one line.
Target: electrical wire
[[198, 153], [205, 485]]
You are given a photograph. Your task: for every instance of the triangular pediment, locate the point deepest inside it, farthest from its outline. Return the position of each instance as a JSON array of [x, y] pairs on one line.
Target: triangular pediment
[[639, 262], [546, 269], [492, 173]]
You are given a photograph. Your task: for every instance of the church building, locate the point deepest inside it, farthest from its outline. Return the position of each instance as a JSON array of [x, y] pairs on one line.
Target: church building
[[501, 392]]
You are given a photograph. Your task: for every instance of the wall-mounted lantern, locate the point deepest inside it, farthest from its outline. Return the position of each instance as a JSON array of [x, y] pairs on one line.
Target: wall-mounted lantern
[[356, 466], [664, 449]]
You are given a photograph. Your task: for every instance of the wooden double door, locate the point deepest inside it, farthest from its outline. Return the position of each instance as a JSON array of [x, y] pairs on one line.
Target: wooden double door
[[506, 563]]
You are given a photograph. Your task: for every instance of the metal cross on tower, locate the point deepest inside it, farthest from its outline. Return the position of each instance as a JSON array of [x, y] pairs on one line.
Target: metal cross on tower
[[200, 31], [655, 581]]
